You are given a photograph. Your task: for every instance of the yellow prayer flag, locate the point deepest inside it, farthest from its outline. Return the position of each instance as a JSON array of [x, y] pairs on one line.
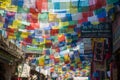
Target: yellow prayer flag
[[11, 37], [55, 27], [72, 64], [24, 34], [73, 10], [70, 30], [11, 8], [42, 61], [12, 27], [1, 0], [77, 60], [16, 22], [59, 69], [79, 35], [52, 17], [66, 57], [42, 43], [69, 40], [42, 46], [68, 47], [34, 42], [64, 24], [1, 25], [48, 41], [9, 1], [4, 5]]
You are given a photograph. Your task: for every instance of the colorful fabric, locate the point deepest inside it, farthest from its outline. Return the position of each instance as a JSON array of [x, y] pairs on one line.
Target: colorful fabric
[[54, 26]]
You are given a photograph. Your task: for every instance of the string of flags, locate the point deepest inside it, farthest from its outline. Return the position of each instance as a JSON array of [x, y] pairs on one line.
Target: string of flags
[[53, 28]]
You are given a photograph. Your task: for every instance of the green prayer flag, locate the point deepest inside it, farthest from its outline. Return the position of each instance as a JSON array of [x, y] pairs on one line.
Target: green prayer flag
[[22, 27], [17, 34], [79, 9], [47, 57], [22, 10], [1, 32], [72, 22], [43, 16], [62, 59]]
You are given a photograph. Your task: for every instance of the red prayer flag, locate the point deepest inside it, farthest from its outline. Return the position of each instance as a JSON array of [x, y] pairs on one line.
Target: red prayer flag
[[87, 14]]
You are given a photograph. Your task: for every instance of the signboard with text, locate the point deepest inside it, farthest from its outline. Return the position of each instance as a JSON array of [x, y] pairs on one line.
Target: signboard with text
[[102, 30]]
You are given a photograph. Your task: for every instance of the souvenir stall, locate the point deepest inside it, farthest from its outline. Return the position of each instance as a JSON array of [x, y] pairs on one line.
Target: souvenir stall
[[100, 68], [59, 31]]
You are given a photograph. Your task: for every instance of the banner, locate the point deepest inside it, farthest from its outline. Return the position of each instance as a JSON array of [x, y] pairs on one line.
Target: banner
[[97, 31]]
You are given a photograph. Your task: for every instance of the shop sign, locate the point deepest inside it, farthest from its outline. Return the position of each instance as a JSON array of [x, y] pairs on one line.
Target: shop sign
[[102, 30]]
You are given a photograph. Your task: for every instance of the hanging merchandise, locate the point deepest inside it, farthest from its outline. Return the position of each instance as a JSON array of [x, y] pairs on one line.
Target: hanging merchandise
[[98, 51]]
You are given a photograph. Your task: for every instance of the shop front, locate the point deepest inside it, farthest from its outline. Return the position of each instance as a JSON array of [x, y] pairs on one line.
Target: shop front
[[102, 53]]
